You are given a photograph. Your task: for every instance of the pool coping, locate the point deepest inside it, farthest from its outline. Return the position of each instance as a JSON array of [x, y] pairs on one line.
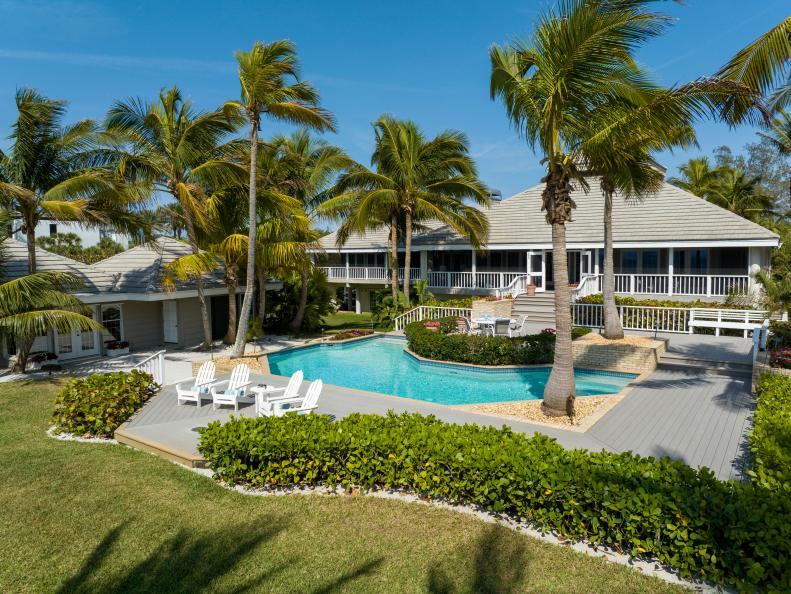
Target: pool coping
[[585, 424]]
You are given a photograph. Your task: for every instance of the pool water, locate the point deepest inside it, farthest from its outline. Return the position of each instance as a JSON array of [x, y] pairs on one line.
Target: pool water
[[382, 365]]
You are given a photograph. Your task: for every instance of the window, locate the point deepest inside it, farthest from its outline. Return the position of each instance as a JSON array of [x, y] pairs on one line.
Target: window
[[53, 228], [699, 260], [628, 261], [111, 319], [650, 261]]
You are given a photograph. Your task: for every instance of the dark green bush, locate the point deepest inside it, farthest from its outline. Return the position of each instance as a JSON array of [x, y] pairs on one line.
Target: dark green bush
[[770, 438], [96, 405], [781, 333], [535, 349], [728, 532]]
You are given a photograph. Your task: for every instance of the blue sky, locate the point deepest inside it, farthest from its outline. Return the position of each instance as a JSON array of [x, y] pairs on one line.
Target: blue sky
[[421, 60]]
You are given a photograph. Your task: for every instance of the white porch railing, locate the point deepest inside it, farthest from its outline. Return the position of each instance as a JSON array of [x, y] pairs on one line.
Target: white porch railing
[[414, 274], [430, 312], [664, 319], [472, 280], [155, 365], [699, 285], [375, 273]]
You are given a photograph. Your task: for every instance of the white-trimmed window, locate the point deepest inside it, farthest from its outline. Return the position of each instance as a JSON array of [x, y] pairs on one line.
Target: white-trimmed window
[[111, 319]]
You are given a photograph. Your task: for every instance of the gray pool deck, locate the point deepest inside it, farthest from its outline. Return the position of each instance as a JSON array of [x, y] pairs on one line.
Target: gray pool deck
[[694, 415]]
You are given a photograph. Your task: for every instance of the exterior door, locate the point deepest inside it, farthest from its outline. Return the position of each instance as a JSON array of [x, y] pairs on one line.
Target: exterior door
[[586, 263], [79, 343], [536, 268], [170, 323]]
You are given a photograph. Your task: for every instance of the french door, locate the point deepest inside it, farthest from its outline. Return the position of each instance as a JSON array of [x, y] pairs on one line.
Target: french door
[[79, 343]]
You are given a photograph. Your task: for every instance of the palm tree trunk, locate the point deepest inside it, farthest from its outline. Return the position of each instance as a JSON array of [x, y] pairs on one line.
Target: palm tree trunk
[[30, 238], [612, 321], [407, 253], [231, 281], [296, 323], [262, 274], [247, 303], [394, 258], [204, 310], [560, 389], [25, 343]]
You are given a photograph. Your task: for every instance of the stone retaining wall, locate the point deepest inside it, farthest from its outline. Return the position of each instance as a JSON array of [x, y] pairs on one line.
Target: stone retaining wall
[[617, 356], [496, 309], [257, 363]]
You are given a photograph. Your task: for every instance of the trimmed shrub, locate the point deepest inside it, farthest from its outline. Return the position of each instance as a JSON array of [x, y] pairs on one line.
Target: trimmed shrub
[[96, 405], [599, 299], [770, 438], [728, 532], [781, 333], [535, 349]]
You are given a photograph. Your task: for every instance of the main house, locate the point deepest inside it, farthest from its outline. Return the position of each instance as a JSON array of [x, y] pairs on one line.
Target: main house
[[125, 293], [671, 244]]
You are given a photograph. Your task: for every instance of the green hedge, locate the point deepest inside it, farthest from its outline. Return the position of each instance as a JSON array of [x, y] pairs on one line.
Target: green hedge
[[96, 405], [781, 333], [535, 349], [598, 299], [728, 532], [770, 438]]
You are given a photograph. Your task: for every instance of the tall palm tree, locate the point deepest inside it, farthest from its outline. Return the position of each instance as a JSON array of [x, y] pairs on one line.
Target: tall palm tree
[[314, 165], [696, 176], [736, 192], [60, 173], [765, 66], [415, 180], [270, 85], [779, 135], [179, 151], [577, 60]]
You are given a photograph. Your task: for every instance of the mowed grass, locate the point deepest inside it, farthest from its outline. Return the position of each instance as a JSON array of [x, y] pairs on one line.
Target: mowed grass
[[346, 320], [106, 518]]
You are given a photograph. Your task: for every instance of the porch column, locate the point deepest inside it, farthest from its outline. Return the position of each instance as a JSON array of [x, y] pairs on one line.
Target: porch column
[[671, 252], [424, 264], [596, 270], [474, 263], [348, 298], [363, 301], [347, 265]]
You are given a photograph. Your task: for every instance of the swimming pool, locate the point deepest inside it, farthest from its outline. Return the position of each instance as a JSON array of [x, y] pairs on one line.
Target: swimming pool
[[382, 365]]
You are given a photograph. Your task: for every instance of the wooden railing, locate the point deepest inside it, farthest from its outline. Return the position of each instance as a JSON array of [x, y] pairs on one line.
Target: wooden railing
[[429, 312], [155, 365]]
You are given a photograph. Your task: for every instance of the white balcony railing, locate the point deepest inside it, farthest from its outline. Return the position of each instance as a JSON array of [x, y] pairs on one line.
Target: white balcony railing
[[702, 285], [373, 273]]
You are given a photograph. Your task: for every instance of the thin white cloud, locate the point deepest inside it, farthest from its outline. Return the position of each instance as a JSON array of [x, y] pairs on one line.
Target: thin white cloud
[[117, 62]]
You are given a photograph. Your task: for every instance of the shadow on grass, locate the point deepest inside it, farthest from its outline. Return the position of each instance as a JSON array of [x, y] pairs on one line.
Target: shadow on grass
[[498, 567], [184, 563]]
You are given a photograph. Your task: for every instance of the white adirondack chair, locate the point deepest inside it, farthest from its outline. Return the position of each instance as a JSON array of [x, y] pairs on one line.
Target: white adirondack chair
[[264, 401], [197, 389], [236, 390], [300, 405]]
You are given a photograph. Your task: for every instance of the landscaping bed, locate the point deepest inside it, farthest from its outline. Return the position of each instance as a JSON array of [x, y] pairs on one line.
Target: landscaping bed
[[585, 409], [730, 533], [770, 438]]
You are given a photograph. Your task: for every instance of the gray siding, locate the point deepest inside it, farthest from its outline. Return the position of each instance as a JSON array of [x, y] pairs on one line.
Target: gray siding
[[142, 322], [190, 324]]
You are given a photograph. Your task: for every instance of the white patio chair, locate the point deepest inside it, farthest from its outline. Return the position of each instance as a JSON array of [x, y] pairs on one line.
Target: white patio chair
[[517, 329], [197, 389], [470, 327], [264, 401], [502, 328], [299, 404], [236, 391]]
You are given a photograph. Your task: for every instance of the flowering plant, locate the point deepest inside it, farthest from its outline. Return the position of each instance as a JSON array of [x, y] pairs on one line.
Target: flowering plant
[[116, 344], [432, 324], [548, 331], [780, 358]]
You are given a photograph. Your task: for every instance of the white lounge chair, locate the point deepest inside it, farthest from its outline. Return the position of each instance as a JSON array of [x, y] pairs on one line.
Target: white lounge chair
[[518, 329], [236, 391], [264, 400], [299, 404], [197, 389]]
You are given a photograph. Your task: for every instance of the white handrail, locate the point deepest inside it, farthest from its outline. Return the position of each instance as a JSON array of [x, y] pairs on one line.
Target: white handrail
[[429, 312], [585, 287], [155, 365]]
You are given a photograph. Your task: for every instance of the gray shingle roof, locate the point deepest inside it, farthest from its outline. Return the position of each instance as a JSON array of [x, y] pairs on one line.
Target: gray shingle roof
[[95, 279], [140, 269], [671, 214]]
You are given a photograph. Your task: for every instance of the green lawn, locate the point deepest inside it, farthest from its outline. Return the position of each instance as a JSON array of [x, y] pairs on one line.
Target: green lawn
[[346, 320], [95, 517]]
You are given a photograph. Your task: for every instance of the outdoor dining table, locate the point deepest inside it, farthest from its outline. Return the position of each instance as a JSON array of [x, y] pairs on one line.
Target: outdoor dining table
[[486, 323]]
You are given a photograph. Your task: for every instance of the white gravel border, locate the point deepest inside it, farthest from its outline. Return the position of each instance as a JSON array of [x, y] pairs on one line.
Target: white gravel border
[[644, 566], [52, 432]]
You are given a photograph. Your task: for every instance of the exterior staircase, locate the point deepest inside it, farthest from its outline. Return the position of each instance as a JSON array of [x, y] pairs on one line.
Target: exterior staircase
[[539, 309]]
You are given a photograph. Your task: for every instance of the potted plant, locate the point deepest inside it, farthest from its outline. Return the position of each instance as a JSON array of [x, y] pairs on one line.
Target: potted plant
[[116, 348], [38, 360], [432, 326], [531, 289]]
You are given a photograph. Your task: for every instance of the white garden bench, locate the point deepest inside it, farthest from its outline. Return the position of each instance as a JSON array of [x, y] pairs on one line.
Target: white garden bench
[[734, 319]]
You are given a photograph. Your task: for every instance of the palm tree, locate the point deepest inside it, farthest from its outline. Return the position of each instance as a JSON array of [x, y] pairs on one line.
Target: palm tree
[[415, 180], [34, 304], [779, 135], [314, 164], [736, 192], [763, 66], [179, 151], [59, 172], [578, 59], [270, 85], [696, 177]]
